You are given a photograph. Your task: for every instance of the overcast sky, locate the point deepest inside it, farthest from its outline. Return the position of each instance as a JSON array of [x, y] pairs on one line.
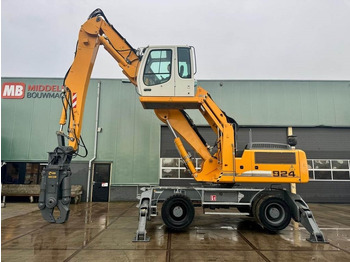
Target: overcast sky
[[234, 39]]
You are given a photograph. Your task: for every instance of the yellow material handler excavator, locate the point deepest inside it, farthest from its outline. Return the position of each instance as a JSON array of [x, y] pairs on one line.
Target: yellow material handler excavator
[[164, 79]]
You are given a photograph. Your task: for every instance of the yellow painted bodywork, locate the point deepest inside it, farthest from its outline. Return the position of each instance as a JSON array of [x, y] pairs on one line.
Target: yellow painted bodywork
[[271, 172], [224, 166], [93, 33]]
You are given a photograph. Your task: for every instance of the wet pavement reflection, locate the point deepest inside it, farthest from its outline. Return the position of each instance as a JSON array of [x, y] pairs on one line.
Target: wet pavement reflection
[[104, 232]]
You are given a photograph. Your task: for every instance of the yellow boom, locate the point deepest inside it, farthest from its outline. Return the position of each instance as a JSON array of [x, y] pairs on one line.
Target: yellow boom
[[93, 33]]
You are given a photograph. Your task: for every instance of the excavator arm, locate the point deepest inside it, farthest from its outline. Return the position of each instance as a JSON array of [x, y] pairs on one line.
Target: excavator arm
[[55, 186], [94, 32]]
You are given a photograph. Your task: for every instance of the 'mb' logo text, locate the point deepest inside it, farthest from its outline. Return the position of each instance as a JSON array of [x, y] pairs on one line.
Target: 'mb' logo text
[[13, 90]]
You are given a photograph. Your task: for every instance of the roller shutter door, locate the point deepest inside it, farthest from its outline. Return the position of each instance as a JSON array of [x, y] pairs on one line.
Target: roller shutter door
[[273, 135], [324, 143], [168, 149]]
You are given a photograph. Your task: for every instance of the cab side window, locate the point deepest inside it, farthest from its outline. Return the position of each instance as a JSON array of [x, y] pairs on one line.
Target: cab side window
[[158, 67], [184, 62]]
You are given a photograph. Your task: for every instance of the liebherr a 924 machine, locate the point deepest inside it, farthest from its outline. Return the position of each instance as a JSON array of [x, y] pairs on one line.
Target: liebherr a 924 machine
[[164, 79]]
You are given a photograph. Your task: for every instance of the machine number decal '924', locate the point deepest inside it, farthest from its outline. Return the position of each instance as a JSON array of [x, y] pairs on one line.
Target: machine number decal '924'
[[283, 174]]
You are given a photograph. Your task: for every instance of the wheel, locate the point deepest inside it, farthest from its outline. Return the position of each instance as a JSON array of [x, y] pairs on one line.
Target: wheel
[[177, 212], [272, 213]]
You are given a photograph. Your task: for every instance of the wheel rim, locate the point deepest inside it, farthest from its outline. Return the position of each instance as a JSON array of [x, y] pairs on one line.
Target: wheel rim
[[275, 213], [178, 212]]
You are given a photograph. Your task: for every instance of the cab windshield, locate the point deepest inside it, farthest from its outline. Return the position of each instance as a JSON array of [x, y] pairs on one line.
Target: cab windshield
[[158, 67]]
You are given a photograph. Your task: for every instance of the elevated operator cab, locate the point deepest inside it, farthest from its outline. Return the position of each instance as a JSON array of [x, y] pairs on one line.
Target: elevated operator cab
[[167, 71]]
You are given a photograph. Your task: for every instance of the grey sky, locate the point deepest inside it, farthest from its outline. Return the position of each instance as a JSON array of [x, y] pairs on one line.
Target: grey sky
[[261, 39]]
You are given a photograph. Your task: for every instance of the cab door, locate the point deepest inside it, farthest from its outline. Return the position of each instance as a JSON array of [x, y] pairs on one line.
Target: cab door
[[157, 72], [184, 71]]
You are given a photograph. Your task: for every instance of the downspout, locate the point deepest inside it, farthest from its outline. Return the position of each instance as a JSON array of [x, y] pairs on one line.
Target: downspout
[[88, 198]]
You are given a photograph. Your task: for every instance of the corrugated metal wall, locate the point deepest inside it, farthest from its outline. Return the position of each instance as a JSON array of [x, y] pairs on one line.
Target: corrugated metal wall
[[130, 139], [283, 103], [28, 125], [130, 135]]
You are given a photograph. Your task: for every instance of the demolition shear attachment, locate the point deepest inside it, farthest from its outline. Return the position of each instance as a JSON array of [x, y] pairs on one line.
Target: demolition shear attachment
[[55, 187]]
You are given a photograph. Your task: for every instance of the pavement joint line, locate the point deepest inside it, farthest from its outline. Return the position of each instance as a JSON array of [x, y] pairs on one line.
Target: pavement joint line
[[198, 249], [342, 249], [253, 246], [168, 248], [332, 228], [30, 232], [8, 241], [176, 249], [201, 249], [99, 233], [30, 248], [21, 215], [299, 250]]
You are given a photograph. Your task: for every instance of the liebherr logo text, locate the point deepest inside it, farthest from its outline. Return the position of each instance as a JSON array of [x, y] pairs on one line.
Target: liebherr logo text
[[17, 91]]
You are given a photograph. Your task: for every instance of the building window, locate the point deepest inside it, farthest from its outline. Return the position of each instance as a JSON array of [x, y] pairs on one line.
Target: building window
[[329, 169], [33, 173], [21, 173], [319, 169], [174, 168]]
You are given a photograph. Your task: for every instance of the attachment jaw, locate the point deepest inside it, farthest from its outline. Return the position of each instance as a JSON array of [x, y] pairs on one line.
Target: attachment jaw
[[55, 188]]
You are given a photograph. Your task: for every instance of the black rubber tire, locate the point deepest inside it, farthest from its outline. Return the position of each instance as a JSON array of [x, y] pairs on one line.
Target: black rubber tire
[[272, 213], [254, 203], [177, 212]]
